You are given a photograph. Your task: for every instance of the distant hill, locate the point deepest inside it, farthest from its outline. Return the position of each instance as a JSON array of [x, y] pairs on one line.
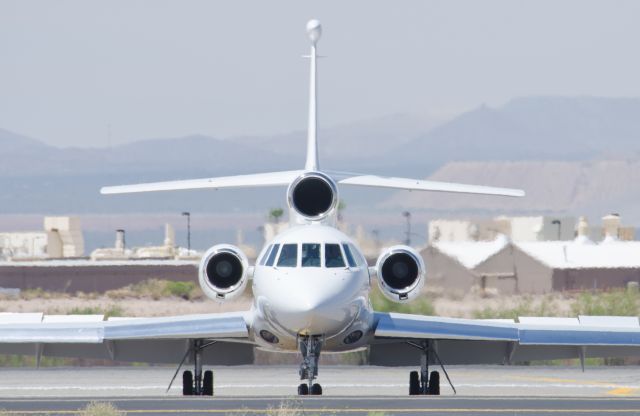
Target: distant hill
[[535, 128], [39, 178], [593, 188]]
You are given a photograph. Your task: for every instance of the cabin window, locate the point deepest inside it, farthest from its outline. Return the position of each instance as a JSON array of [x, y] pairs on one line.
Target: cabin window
[[350, 259], [272, 255], [333, 256], [265, 256], [288, 256], [310, 255]]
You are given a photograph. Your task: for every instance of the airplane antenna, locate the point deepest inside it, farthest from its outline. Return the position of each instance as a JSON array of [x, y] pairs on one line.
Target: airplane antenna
[[314, 30]]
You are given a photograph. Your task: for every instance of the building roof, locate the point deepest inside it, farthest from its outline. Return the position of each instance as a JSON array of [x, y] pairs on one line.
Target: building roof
[[576, 255], [471, 253]]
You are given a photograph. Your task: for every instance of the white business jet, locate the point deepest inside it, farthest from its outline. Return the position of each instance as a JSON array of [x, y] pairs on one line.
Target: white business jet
[[311, 289]]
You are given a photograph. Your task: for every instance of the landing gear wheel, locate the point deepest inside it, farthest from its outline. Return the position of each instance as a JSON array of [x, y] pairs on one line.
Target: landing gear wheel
[[434, 384], [316, 390], [414, 383], [187, 383], [303, 390], [207, 383]]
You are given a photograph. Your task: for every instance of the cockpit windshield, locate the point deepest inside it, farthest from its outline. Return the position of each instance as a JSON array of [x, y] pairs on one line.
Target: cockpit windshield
[[333, 256], [288, 256], [350, 259], [311, 255], [272, 255]]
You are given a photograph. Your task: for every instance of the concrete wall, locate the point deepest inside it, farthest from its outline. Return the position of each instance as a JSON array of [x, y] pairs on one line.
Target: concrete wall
[[90, 278], [444, 271], [590, 279], [513, 271]]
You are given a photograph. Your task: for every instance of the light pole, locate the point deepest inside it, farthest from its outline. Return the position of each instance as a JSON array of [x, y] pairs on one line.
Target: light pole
[[559, 224], [188, 215], [407, 215]]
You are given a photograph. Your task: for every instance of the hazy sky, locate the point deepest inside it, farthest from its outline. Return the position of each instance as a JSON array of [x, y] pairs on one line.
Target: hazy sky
[[226, 68]]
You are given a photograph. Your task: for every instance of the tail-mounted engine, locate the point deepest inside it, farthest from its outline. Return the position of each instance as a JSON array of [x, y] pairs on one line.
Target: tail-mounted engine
[[401, 273], [223, 273], [313, 195]]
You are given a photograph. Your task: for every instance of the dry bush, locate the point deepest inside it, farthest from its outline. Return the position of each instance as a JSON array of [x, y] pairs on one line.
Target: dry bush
[[157, 289], [101, 409]]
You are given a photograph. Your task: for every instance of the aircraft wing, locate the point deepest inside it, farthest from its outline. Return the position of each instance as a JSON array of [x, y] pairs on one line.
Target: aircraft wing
[[475, 341], [238, 181], [421, 185], [150, 340]]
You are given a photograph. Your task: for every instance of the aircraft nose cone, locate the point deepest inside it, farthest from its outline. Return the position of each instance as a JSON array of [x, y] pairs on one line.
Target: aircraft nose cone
[[315, 308]]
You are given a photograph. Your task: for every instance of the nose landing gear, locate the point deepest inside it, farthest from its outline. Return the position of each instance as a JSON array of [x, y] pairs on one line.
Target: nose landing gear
[[310, 347]]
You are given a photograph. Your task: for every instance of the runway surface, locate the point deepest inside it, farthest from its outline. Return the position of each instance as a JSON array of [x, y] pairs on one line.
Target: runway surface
[[335, 405], [347, 390]]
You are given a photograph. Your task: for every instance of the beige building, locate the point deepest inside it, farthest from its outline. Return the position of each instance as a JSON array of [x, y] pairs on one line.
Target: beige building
[[509, 267], [60, 238], [536, 228]]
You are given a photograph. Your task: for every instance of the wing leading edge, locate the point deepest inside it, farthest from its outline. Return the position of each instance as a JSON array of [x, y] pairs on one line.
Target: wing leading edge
[[424, 185], [472, 341], [286, 177], [150, 340]]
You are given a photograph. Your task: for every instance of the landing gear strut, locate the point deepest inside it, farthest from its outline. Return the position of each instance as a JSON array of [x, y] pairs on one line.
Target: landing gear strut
[[202, 383], [424, 383], [310, 347]]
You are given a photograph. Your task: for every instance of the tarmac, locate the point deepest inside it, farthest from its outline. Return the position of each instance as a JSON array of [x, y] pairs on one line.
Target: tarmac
[[494, 390]]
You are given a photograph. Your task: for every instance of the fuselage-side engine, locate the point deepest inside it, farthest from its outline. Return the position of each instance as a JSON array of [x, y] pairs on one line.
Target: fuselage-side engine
[[401, 272], [224, 272]]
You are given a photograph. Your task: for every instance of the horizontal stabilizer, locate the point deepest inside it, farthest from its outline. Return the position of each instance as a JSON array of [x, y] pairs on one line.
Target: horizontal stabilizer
[[422, 185], [239, 181]]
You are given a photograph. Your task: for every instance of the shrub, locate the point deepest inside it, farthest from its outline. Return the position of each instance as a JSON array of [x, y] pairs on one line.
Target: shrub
[[101, 409], [113, 310], [422, 305], [615, 302], [182, 290]]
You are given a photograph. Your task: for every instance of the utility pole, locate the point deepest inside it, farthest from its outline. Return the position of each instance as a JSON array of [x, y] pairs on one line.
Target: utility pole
[[559, 224], [188, 215], [407, 215]]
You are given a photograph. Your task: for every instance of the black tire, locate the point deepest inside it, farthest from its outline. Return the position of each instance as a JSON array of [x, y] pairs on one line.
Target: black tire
[[303, 390], [316, 390], [187, 383], [207, 383], [434, 384], [414, 383]]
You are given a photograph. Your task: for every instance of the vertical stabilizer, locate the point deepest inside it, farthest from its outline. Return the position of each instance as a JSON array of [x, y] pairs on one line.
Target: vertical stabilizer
[[314, 30]]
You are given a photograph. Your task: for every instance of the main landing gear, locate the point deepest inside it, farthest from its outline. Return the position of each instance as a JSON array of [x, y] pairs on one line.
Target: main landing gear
[[310, 347], [423, 383], [196, 383]]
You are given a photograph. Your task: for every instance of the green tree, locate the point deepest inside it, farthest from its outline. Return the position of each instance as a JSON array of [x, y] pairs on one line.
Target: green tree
[[275, 214], [341, 207]]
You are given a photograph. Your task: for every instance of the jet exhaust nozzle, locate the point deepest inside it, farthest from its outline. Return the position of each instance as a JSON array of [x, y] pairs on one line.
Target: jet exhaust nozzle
[[313, 195]]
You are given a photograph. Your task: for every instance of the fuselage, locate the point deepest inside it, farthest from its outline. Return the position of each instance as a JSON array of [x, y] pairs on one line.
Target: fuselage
[[311, 280]]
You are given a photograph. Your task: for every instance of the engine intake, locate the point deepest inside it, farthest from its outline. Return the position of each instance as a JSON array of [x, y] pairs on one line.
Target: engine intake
[[401, 272], [313, 195], [223, 272]]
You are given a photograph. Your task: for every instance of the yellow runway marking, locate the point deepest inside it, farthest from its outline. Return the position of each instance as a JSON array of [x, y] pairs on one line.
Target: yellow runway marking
[[622, 391], [618, 390]]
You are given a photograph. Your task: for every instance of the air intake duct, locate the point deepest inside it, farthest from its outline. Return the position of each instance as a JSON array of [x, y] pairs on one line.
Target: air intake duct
[[401, 272], [223, 272]]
